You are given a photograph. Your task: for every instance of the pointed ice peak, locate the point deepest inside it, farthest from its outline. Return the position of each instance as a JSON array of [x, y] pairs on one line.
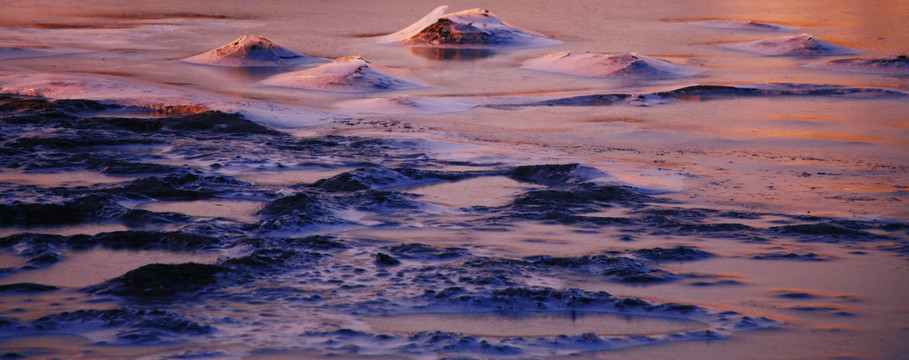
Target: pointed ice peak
[[249, 50]]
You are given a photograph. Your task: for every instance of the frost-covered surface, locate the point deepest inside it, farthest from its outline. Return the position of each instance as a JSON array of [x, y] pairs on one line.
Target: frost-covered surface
[[348, 74], [798, 45], [624, 65], [469, 28], [250, 50]]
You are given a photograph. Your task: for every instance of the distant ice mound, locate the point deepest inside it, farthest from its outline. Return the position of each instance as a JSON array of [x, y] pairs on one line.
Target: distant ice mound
[[250, 50], [347, 74], [799, 45], [468, 28], [894, 65], [744, 25], [595, 64]]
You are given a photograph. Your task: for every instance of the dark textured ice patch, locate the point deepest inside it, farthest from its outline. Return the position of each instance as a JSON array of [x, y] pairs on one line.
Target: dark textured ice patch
[[822, 232], [145, 240], [130, 240], [180, 186], [135, 325], [426, 252], [379, 178], [552, 174], [166, 281], [619, 268], [790, 256], [678, 253], [310, 207], [161, 280], [82, 209], [568, 204], [383, 259], [26, 288]]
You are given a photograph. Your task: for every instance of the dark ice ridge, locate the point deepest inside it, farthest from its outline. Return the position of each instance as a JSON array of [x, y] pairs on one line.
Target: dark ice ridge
[[718, 92], [790, 256], [892, 65]]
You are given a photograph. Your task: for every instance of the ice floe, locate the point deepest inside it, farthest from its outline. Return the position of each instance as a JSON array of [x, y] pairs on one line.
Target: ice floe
[[347, 74], [250, 50], [798, 45], [471, 28], [596, 64]]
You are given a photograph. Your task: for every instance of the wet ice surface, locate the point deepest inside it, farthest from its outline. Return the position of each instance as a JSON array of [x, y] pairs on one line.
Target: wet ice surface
[[755, 209]]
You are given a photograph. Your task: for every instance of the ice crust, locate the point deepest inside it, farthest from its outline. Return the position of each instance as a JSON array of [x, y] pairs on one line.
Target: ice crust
[[596, 64], [250, 50]]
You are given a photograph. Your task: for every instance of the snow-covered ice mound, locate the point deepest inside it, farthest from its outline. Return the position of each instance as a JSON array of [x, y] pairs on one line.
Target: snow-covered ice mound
[[895, 65], [626, 65], [799, 45], [250, 50], [349, 74], [744, 25], [471, 28]]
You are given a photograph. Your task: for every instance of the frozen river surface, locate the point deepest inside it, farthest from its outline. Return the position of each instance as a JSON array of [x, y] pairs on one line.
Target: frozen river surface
[[505, 179]]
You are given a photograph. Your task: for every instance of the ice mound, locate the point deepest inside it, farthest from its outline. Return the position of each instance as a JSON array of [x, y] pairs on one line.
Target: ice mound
[[626, 65], [894, 65], [799, 45], [348, 74], [249, 50], [469, 28], [746, 25]]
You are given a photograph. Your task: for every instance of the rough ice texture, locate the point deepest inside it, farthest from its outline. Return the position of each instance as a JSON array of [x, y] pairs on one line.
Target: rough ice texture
[[799, 45], [596, 64], [893, 65], [250, 50], [475, 27], [347, 74]]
